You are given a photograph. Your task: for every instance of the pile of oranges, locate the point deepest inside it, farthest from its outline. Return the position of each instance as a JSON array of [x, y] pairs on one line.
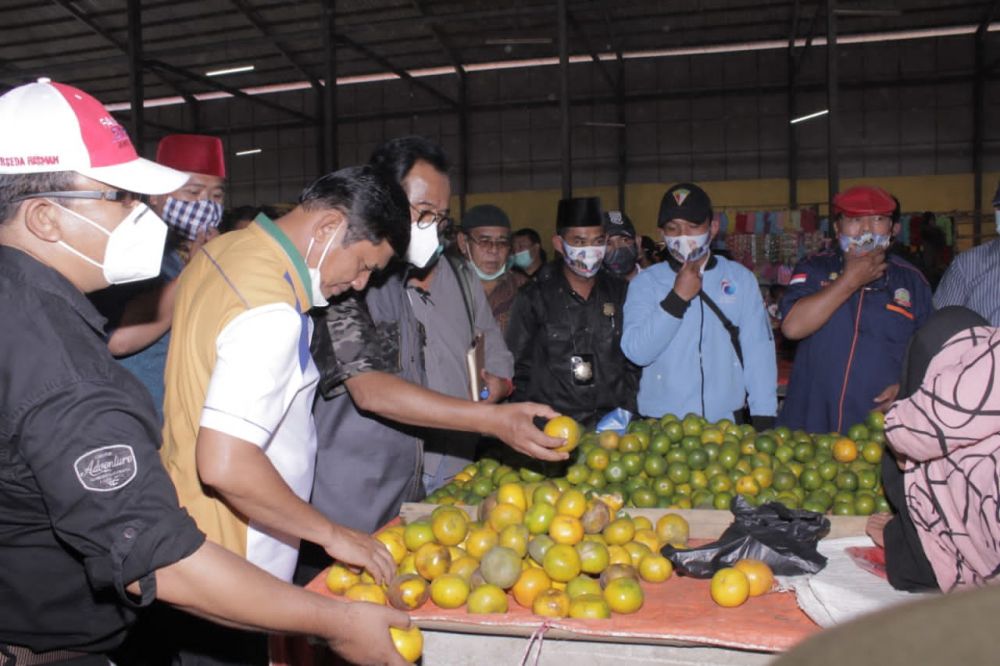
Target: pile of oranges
[[555, 552]]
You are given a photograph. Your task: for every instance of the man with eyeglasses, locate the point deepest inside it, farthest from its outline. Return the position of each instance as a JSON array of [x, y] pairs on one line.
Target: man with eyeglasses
[[853, 308], [91, 532], [565, 327], [485, 242], [375, 348]]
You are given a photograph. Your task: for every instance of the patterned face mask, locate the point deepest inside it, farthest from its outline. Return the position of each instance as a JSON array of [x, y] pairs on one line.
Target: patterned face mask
[[864, 243], [189, 218], [687, 248], [584, 261]]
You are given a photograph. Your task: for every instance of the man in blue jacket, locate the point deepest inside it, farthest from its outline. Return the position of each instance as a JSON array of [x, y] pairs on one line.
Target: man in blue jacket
[[854, 308], [697, 325]]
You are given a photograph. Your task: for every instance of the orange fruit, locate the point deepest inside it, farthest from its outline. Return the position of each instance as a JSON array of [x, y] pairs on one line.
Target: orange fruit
[[589, 607], [512, 493], [582, 584], [393, 542], [339, 578], [561, 562], [369, 592], [504, 514], [515, 537], [624, 595], [594, 556], [566, 529], [432, 560], [618, 555], [449, 591], [636, 552], [730, 587], [619, 531], [747, 485], [450, 526], [608, 439], [648, 538], [409, 642], [845, 450], [546, 492], [407, 592], [642, 523], [551, 603], [417, 534], [759, 576], [480, 540], [529, 585], [564, 427], [538, 518], [407, 565], [572, 503], [487, 599], [673, 529], [464, 566], [655, 568]]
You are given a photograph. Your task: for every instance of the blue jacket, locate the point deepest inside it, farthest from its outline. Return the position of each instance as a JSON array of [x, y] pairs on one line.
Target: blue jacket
[[840, 368], [687, 357]]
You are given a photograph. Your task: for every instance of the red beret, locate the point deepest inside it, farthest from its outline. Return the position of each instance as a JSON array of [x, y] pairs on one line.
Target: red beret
[[194, 153], [864, 200]]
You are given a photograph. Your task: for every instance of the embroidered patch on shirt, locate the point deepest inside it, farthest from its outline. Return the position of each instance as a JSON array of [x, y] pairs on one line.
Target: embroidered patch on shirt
[[106, 468], [798, 278], [833, 276], [608, 309], [902, 297], [728, 288], [896, 308]]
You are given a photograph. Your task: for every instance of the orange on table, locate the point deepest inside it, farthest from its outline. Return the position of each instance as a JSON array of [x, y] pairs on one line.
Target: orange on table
[[393, 542], [487, 599], [449, 591], [561, 562], [409, 642], [551, 603], [619, 531], [513, 493], [529, 585], [730, 587], [759, 576], [369, 592], [450, 526], [648, 538], [624, 595], [339, 578], [845, 450], [572, 503], [480, 540], [566, 529], [655, 568], [672, 528], [504, 514]]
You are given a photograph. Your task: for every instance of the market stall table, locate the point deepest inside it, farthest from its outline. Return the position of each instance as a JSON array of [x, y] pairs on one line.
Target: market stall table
[[677, 615]]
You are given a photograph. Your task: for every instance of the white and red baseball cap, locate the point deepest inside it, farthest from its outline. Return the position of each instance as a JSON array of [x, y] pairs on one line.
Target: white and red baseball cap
[[46, 126]]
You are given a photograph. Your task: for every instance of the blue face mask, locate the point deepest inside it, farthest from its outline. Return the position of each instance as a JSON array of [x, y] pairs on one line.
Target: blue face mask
[[522, 259], [490, 277], [864, 243]]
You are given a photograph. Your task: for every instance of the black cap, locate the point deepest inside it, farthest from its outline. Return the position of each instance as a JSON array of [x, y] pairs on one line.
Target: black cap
[[579, 212], [685, 201], [616, 223], [485, 215]]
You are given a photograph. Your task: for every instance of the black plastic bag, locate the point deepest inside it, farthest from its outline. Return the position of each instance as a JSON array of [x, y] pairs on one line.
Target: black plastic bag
[[784, 539]]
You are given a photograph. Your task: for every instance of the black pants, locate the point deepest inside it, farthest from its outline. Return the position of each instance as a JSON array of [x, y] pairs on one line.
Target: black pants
[[906, 564]]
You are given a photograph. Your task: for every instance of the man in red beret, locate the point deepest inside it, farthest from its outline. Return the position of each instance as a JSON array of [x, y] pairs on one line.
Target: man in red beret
[[140, 315], [853, 308]]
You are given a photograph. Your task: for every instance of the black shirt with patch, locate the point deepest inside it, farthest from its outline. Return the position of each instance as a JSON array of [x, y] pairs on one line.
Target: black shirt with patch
[[86, 506], [553, 331]]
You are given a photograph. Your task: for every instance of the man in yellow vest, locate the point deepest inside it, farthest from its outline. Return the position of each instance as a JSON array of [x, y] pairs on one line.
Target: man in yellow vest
[[239, 440]]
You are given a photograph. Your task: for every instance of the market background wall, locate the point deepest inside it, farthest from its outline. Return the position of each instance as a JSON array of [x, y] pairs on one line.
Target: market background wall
[[722, 120]]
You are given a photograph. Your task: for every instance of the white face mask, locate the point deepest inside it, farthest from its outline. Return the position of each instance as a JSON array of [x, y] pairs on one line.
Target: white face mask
[[315, 277], [584, 261], [135, 248], [424, 245], [687, 248]]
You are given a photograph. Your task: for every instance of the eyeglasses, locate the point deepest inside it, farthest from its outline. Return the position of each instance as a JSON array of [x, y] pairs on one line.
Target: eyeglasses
[[428, 218], [121, 196], [491, 244]]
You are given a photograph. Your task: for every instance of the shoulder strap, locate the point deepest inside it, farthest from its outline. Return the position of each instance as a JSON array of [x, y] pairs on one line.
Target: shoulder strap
[[732, 329], [461, 274]]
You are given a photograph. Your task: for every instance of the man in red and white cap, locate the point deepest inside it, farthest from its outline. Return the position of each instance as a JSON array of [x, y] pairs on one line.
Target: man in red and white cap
[[90, 527], [854, 308], [140, 316]]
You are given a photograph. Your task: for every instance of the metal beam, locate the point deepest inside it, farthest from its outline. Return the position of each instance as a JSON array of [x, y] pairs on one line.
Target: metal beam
[[565, 130], [235, 92], [832, 101], [250, 13], [135, 73], [979, 122], [328, 96], [94, 27], [622, 133], [592, 53], [401, 73], [440, 38], [793, 145], [463, 143]]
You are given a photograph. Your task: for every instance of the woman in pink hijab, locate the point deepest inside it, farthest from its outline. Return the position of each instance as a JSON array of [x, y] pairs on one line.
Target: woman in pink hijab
[[941, 474]]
